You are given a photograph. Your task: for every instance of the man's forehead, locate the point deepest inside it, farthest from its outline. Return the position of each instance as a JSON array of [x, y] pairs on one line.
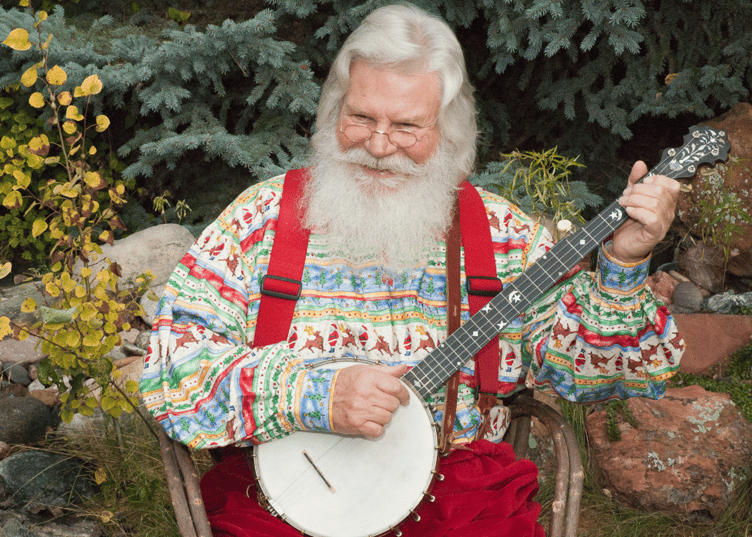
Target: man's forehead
[[391, 90]]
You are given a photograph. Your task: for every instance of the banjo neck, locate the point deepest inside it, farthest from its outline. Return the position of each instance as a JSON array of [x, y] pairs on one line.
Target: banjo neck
[[701, 145]]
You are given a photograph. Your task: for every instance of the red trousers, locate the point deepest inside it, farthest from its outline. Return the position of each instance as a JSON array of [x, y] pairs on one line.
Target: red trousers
[[485, 493]]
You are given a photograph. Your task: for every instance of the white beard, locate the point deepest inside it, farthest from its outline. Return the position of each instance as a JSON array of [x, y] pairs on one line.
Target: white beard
[[394, 221]]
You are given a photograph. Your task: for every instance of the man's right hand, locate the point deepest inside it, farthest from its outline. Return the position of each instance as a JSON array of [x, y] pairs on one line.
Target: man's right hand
[[365, 397]]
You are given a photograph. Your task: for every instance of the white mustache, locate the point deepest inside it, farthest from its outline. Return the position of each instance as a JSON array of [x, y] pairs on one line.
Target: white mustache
[[395, 164]]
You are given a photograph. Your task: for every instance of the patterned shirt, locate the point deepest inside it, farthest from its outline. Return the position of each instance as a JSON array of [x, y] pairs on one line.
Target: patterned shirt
[[592, 337]]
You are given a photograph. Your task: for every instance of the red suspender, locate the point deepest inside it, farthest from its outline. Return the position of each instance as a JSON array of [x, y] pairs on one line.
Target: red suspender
[[482, 284], [280, 287]]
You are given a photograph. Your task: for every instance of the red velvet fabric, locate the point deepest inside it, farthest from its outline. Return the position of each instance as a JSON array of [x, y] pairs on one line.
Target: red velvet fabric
[[485, 493]]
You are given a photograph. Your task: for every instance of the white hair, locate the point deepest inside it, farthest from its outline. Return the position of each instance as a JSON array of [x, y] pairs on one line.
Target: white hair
[[407, 38]]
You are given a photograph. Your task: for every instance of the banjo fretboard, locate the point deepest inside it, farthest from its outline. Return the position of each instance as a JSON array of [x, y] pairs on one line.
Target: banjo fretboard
[[701, 145]]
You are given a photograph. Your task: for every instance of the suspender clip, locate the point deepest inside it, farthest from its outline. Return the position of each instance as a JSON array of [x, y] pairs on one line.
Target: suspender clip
[[281, 287]]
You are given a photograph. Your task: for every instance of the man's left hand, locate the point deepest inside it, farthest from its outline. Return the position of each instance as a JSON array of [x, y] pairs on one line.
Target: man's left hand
[[651, 206]]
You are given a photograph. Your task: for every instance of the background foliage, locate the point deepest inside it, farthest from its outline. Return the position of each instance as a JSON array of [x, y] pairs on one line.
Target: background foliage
[[206, 97]]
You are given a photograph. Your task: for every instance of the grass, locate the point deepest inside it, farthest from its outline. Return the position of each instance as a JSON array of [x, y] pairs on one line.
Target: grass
[[133, 499]]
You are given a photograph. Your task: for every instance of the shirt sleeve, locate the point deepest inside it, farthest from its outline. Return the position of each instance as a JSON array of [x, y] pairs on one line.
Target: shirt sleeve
[[593, 336], [203, 380]]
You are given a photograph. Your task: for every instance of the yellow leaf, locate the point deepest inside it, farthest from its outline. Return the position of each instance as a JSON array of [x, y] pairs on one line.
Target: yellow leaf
[[5, 270], [95, 180], [7, 143], [107, 403], [85, 272], [70, 127], [100, 476], [92, 339], [92, 150], [78, 92], [102, 123], [105, 516], [131, 386], [56, 76], [42, 15], [18, 39], [91, 85], [13, 200], [39, 227], [65, 98], [5, 329], [29, 77], [52, 290], [72, 339], [72, 113], [79, 291], [36, 100], [24, 3], [28, 305]]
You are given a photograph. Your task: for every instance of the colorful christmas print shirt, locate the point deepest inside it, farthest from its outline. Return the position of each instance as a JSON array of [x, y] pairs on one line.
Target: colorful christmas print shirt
[[592, 337]]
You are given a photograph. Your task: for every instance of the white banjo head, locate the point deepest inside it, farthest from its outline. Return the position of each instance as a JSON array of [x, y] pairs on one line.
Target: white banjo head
[[376, 483]]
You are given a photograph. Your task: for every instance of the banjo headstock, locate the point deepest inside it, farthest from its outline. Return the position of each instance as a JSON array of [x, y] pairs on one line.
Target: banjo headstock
[[702, 145]]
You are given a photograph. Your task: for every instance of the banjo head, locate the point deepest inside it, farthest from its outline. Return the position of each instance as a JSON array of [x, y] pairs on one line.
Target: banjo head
[[375, 483]]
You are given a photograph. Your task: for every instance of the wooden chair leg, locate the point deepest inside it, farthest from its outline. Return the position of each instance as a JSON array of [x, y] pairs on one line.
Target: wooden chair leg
[[565, 512], [183, 482]]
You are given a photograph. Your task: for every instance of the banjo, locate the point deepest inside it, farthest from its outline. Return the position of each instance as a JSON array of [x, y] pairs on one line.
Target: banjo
[[330, 485]]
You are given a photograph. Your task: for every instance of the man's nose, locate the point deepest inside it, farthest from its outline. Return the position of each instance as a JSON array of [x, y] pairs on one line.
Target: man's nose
[[379, 145]]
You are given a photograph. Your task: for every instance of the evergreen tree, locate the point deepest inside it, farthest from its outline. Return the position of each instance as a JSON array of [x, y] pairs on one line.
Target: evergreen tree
[[224, 104]]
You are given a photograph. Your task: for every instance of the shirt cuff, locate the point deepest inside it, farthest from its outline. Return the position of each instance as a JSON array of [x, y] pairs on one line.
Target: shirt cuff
[[617, 278], [313, 400]]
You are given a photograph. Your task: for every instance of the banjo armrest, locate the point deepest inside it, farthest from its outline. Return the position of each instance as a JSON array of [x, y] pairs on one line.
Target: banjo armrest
[[183, 483], [565, 511]]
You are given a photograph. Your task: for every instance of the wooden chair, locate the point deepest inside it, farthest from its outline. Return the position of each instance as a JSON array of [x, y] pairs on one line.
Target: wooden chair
[[183, 479]]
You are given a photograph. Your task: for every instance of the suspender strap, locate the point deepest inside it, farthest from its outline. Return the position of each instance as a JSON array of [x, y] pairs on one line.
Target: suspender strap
[[281, 285], [454, 309], [482, 285]]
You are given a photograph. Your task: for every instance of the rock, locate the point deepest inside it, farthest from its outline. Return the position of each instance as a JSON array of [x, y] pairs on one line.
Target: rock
[[688, 296], [49, 396], [704, 266], [12, 297], [662, 284], [149, 305], [17, 374], [35, 480], [734, 178], [24, 420], [729, 302], [143, 340], [711, 338], [158, 249], [20, 352], [14, 524], [687, 456], [82, 425]]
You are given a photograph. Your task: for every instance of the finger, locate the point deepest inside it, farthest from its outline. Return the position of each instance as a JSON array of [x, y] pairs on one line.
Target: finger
[[639, 169], [392, 385], [371, 429]]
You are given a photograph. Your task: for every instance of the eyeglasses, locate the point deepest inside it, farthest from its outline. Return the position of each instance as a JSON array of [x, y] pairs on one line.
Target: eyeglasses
[[359, 133]]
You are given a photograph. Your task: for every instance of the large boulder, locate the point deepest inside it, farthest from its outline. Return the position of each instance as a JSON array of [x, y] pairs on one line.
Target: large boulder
[[158, 249], [687, 456], [24, 420], [36, 480]]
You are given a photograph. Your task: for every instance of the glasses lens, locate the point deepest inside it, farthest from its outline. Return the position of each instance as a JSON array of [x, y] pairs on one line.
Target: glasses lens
[[402, 138], [357, 133]]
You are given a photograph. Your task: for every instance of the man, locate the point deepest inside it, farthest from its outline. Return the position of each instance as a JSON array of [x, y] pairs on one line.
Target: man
[[395, 136]]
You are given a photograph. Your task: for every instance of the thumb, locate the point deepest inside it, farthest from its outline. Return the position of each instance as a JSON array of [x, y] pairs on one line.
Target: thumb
[[393, 370]]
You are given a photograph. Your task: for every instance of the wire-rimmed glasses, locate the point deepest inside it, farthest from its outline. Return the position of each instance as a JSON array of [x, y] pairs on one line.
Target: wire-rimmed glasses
[[359, 133]]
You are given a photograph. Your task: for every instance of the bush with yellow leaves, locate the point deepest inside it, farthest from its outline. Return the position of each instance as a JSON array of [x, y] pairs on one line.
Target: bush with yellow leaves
[[87, 310]]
